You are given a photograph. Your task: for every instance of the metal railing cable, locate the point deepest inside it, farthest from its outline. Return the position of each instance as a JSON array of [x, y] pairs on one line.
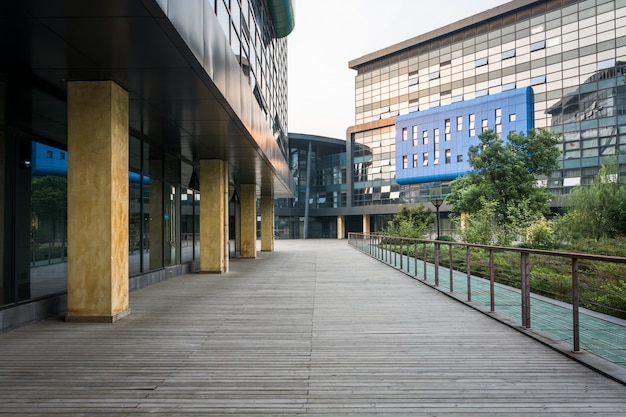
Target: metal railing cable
[[590, 317]]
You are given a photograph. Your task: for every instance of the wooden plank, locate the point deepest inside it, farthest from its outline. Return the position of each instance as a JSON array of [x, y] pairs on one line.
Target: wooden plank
[[314, 328]]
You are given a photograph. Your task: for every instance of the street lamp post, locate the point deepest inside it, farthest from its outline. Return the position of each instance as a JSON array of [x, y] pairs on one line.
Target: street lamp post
[[437, 202]]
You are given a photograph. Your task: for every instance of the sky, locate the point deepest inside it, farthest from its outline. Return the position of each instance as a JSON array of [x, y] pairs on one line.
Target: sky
[[330, 33]]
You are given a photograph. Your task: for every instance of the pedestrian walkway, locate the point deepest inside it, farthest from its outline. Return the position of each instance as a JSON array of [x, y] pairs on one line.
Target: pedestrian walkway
[[600, 334], [314, 328]]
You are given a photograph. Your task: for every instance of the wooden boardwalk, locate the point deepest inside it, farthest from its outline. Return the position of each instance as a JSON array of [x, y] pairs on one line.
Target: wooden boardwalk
[[314, 328]]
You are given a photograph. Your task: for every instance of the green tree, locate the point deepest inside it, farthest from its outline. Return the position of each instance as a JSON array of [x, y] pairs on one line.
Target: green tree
[[478, 226], [410, 222], [505, 175], [598, 210]]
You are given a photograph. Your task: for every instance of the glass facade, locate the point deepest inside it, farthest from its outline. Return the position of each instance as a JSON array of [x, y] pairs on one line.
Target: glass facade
[[262, 57], [163, 217], [326, 182], [571, 53], [164, 140], [374, 167]]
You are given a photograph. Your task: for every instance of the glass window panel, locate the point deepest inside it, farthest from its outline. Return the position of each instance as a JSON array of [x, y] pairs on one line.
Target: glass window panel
[[187, 224], [508, 54], [540, 79], [46, 220], [134, 153], [481, 62], [135, 223], [537, 45], [153, 223]]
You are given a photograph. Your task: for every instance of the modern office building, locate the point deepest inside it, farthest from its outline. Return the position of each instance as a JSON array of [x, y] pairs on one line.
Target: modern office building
[[136, 137], [420, 105], [322, 206], [318, 165]]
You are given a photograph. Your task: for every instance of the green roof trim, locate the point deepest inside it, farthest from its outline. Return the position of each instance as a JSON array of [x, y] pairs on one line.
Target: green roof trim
[[282, 16]]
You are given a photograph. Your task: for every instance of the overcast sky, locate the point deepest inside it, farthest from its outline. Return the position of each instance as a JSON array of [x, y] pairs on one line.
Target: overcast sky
[[330, 33]]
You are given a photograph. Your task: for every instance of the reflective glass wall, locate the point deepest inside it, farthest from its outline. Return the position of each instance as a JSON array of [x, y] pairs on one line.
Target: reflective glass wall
[[248, 29], [163, 208], [571, 53], [374, 168], [319, 165]]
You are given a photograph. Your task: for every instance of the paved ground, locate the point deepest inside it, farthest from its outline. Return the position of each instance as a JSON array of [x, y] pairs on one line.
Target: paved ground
[[314, 328]]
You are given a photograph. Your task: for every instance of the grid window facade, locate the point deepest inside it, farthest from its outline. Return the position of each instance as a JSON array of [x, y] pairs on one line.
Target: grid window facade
[[262, 57], [571, 53], [374, 167]]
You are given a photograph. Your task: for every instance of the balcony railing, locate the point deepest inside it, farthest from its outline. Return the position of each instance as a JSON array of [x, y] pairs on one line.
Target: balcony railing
[[575, 297]]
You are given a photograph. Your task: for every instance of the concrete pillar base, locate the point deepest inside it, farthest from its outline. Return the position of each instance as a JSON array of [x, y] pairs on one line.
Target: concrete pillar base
[[98, 319]]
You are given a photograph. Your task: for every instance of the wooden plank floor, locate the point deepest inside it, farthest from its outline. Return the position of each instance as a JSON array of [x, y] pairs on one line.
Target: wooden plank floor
[[314, 328]]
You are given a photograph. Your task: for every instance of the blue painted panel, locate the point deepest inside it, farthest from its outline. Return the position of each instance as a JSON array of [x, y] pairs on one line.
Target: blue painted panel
[[48, 160], [518, 102]]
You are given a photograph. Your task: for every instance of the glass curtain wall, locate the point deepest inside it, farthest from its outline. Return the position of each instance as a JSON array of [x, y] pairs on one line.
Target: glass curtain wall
[[164, 216], [572, 53], [48, 223], [374, 169]]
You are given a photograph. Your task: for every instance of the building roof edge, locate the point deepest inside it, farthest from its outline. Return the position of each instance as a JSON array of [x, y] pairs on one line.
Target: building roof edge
[[444, 30]]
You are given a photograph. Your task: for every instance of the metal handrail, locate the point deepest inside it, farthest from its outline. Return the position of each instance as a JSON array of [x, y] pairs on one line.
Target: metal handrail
[[374, 244]]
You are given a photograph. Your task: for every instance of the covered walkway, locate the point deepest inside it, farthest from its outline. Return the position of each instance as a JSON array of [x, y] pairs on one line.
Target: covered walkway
[[316, 328]]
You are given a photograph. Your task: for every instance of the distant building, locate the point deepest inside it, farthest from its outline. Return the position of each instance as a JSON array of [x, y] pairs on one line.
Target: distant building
[[569, 56], [420, 104]]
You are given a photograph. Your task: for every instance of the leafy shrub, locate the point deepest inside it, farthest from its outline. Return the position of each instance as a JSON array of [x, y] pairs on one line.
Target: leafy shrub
[[613, 299], [539, 235], [410, 222]]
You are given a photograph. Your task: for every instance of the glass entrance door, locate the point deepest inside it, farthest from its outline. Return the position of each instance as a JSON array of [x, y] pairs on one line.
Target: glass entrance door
[[172, 233]]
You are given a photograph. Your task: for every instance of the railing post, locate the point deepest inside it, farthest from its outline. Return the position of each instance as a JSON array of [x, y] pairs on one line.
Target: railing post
[[436, 263], [415, 256], [451, 270], [525, 270], [383, 254], [575, 304], [401, 253], [492, 279], [377, 246], [469, 275], [424, 259]]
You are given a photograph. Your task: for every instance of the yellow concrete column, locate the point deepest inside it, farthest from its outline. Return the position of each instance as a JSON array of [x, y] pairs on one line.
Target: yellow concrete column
[[366, 223], [97, 194], [267, 223], [213, 216], [341, 227], [247, 198]]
